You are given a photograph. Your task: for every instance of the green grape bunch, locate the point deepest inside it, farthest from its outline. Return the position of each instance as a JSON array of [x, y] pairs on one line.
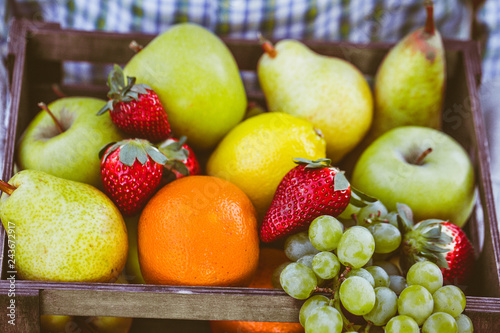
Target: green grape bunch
[[349, 277]]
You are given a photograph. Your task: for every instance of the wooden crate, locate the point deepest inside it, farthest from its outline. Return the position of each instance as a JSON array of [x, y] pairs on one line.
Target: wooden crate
[[36, 51]]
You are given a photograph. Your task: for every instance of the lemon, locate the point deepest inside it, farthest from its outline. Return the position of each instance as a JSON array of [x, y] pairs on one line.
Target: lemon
[[257, 153]]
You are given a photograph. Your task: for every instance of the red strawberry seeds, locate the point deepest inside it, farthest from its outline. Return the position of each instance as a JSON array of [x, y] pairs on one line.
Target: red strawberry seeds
[[135, 108], [311, 189], [131, 171]]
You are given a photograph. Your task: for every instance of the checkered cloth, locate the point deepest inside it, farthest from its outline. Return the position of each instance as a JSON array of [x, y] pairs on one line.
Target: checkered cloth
[[355, 20]]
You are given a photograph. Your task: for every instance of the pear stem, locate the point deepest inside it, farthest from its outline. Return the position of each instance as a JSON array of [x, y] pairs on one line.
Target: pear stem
[[429, 23], [422, 156], [267, 46], [136, 47], [7, 188], [56, 122]]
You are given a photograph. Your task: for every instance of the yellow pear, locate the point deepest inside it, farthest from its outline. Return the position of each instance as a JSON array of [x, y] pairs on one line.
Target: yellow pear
[[329, 92], [62, 230]]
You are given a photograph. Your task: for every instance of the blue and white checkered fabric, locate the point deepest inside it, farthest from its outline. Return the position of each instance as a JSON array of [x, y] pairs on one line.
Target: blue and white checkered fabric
[[355, 20]]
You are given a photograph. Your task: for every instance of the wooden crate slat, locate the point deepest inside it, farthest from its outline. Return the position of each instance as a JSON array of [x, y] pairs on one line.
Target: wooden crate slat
[[170, 305]]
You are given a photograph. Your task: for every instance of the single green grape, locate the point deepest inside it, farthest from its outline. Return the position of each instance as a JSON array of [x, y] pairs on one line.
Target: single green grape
[[388, 266], [386, 306], [357, 295], [402, 324], [361, 272], [416, 301], [275, 277], [426, 274], [324, 319], [308, 261], [387, 237], [397, 283], [356, 247], [298, 245], [325, 232], [371, 211], [449, 299], [310, 304], [298, 280], [380, 276], [326, 265], [440, 322], [348, 211], [464, 324]]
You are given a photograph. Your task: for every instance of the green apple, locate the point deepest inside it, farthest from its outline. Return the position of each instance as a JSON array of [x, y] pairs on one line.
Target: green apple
[[421, 167], [74, 153]]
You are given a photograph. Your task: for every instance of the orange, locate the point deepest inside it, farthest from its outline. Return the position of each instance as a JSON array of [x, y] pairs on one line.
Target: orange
[[198, 231], [269, 260]]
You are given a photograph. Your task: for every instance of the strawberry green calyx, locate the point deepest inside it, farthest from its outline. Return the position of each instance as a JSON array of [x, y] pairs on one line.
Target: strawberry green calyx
[[135, 149], [121, 90], [176, 154], [422, 241], [340, 181], [313, 164]]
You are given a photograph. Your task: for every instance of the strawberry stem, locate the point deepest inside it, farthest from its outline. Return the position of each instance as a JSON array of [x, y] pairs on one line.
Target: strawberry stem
[[429, 23], [267, 46], [56, 122], [422, 156], [7, 188], [136, 47]]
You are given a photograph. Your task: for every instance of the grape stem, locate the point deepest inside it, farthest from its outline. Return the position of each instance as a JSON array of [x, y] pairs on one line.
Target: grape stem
[[324, 290], [368, 326]]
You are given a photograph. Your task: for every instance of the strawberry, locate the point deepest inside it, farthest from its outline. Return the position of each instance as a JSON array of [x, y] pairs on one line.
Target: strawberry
[[181, 159], [441, 242], [309, 190], [135, 108], [131, 171]]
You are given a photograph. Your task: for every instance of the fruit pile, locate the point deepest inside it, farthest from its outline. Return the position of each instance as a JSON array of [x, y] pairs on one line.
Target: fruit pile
[[114, 184]]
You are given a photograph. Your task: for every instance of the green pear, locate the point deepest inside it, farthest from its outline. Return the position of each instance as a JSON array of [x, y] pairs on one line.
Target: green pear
[[329, 92], [61, 230], [73, 152], [197, 80], [410, 82]]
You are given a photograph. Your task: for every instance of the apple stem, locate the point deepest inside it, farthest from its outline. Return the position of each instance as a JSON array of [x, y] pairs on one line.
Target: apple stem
[[57, 90], [267, 46], [422, 156], [58, 125], [7, 188], [136, 47], [429, 23]]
